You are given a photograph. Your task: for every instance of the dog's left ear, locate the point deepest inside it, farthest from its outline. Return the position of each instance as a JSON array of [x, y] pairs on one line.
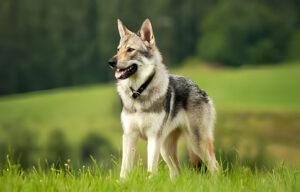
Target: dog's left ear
[[146, 33], [123, 31]]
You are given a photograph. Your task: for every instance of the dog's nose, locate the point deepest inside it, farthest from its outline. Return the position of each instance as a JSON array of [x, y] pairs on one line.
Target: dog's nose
[[112, 62]]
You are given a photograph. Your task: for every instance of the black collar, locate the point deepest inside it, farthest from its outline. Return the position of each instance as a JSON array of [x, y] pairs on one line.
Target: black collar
[[136, 93]]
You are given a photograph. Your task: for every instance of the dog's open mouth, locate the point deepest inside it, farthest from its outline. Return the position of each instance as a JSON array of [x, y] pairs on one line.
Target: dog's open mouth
[[126, 72]]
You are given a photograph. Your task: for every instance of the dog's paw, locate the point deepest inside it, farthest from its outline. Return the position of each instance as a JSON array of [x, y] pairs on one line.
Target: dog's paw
[[150, 175], [120, 181]]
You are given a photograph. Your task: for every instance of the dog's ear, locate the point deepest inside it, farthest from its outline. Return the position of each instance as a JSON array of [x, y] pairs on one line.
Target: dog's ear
[[122, 29], [146, 33]]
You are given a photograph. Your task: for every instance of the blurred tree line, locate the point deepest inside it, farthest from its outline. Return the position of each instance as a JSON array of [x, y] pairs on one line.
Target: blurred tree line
[[46, 44], [22, 145]]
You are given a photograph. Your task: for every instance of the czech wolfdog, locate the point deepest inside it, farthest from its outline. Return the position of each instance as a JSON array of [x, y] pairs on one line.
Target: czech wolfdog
[[159, 107]]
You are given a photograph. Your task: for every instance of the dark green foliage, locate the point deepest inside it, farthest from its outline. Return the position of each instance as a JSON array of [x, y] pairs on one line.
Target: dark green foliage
[[53, 43], [23, 147], [19, 143], [48, 44], [246, 32], [57, 149], [97, 147], [294, 46]]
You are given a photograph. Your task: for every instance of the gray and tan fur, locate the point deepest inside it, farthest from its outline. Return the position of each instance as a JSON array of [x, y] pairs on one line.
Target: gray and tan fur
[[171, 106]]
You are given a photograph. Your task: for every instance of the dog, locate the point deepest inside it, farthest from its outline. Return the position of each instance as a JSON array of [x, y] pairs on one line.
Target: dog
[[159, 107]]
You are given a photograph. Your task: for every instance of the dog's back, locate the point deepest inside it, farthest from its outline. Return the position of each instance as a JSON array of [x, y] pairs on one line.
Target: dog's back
[[158, 106]]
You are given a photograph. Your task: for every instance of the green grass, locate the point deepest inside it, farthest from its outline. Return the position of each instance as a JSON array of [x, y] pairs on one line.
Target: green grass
[[281, 178], [74, 109], [258, 120], [269, 88]]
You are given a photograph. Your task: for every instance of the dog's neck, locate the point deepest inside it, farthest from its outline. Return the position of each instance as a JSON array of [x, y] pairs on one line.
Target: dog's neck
[[161, 80], [139, 91]]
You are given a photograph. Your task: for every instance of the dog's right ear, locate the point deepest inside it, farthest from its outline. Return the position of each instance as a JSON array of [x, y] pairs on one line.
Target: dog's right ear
[[122, 29], [146, 33]]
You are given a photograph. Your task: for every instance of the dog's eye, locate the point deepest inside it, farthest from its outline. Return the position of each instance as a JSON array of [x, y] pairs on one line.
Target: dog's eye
[[118, 49], [130, 49]]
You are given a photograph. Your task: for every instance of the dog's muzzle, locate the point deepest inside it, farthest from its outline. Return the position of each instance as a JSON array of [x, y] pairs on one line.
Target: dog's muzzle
[[125, 72], [112, 62]]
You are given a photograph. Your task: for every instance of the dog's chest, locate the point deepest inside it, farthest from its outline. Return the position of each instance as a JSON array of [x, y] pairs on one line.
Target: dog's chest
[[147, 124]]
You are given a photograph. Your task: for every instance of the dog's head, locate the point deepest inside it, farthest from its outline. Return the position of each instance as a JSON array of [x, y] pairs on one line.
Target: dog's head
[[135, 51]]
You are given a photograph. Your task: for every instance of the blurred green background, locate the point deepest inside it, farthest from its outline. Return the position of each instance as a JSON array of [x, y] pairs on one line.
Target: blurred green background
[[245, 54]]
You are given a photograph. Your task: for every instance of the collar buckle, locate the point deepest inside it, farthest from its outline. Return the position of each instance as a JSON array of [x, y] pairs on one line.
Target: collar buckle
[[137, 93]]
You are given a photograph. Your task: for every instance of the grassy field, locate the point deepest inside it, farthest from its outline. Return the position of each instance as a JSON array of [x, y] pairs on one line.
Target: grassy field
[[269, 88], [281, 178], [258, 125]]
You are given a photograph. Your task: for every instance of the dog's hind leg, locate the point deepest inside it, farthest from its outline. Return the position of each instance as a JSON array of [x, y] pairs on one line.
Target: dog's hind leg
[[205, 150], [195, 159], [200, 139], [169, 152]]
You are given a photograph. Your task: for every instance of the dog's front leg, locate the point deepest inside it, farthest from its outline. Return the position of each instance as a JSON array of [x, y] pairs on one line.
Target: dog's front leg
[[129, 148], [153, 153]]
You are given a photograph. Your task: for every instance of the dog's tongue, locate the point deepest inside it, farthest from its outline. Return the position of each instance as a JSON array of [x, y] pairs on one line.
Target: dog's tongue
[[118, 74]]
